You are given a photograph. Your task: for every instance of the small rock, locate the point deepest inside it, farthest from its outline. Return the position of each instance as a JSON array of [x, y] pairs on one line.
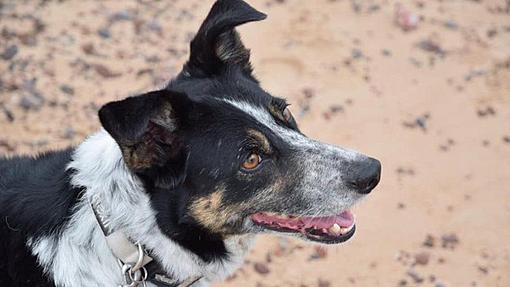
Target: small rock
[[432, 278], [452, 25], [386, 52], [323, 283], [336, 109], [374, 8], [8, 114], [449, 241], [319, 253], [261, 268], [356, 54], [28, 39], [420, 122], [31, 101], [405, 171], [483, 269], [69, 133], [432, 47], [9, 52], [88, 48], [417, 278], [105, 71], [429, 241], [104, 33], [474, 74], [155, 26], [405, 19], [66, 89], [421, 258], [491, 33], [123, 15], [6, 145], [309, 93], [488, 111]]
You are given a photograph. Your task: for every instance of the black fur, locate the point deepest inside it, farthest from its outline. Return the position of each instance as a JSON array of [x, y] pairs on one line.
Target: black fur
[[217, 45], [36, 199], [171, 208]]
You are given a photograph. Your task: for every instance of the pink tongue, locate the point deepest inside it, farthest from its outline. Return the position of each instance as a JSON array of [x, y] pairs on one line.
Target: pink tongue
[[344, 219]]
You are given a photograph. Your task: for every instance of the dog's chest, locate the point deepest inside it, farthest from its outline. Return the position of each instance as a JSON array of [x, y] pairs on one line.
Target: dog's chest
[[92, 263]]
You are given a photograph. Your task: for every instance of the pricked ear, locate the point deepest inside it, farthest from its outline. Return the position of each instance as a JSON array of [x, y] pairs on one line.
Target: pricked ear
[[146, 129], [217, 44]]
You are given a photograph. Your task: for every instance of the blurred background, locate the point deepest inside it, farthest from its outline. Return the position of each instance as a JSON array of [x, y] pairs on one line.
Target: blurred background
[[424, 86]]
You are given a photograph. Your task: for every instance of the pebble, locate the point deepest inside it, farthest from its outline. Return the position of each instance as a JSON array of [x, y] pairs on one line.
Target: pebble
[[420, 122], [405, 19], [488, 111], [449, 241], [31, 101], [421, 258], [429, 241], [323, 283], [105, 72], [123, 15], [417, 278], [319, 253], [261, 268], [8, 114], [452, 25], [356, 54], [66, 89], [431, 46], [69, 133], [386, 53], [9, 52], [104, 33]]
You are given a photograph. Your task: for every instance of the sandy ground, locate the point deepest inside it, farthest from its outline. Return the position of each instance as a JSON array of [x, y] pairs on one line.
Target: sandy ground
[[432, 103]]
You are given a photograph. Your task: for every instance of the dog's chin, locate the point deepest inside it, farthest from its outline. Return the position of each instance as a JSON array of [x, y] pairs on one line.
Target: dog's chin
[[327, 230]]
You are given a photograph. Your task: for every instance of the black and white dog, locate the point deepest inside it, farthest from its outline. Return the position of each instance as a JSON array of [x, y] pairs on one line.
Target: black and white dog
[[173, 189]]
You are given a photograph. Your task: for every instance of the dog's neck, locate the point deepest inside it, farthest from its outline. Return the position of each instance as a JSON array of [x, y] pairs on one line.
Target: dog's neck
[[80, 253]]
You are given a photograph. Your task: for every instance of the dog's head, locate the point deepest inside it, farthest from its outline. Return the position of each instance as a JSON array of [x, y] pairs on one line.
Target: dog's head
[[220, 156]]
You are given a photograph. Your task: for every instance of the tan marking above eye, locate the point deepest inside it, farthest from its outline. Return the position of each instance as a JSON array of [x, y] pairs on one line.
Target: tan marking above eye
[[261, 139], [287, 115], [252, 161]]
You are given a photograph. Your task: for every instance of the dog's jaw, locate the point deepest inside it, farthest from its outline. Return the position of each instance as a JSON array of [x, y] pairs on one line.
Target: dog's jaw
[[81, 253]]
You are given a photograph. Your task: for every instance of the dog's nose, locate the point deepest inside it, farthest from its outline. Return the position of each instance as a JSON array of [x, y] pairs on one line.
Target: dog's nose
[[365, 175]]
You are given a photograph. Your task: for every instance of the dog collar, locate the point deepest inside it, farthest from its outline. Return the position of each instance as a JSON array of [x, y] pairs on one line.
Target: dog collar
[[136, 265]]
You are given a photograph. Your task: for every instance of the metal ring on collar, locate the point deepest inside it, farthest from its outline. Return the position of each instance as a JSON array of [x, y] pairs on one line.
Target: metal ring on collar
[[139, 275], [139, 262]]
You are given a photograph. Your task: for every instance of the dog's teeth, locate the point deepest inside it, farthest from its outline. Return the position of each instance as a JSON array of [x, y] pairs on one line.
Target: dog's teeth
[[347, 229], [335, 229]]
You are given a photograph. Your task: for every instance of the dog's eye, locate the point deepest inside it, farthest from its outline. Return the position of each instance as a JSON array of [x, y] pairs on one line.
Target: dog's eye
[[287, 115], [252, 161]]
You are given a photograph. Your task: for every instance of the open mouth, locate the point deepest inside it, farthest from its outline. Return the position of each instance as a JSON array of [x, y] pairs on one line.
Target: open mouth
[[328, 229]]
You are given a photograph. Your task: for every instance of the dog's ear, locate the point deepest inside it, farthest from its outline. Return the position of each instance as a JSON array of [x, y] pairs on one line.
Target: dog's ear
[[146, 128], [217, 44]]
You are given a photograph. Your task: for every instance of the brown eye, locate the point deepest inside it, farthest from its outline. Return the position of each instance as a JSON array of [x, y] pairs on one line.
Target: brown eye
[[287, 115], [252, 161]]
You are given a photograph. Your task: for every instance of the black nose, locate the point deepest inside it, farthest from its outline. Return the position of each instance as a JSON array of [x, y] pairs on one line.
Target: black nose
[[364, 175]]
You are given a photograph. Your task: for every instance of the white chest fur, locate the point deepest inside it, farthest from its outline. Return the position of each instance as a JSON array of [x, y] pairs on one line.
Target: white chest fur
[[79, 255]]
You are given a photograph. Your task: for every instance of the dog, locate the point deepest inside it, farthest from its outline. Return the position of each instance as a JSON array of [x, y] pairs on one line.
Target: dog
[[178, 182]]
